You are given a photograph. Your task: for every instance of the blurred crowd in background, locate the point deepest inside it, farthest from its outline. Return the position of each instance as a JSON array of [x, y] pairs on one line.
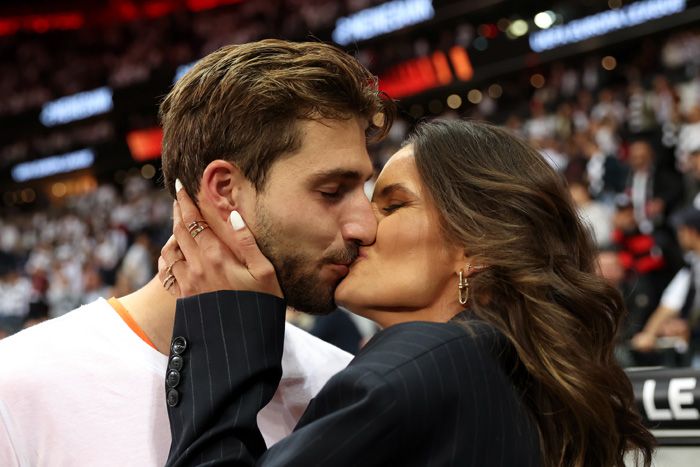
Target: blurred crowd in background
[[124, 53], [101, 244], [629, 147]]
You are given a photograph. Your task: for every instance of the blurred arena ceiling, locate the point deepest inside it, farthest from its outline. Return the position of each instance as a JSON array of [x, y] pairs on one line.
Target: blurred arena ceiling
[[48, 50]]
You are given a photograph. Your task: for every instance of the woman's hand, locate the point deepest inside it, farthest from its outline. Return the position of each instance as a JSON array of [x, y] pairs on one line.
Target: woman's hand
[[195, 260]]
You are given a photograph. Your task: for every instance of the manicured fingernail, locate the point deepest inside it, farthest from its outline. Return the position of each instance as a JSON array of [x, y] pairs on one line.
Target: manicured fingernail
[[178, 185], [236, 220]]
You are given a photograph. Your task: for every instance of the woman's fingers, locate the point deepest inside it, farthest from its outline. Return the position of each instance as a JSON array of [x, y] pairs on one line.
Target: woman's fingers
[[196, 236], [170, 285], [170, 256], [224, 256], [187, 245], [243, 243], [192, 218]]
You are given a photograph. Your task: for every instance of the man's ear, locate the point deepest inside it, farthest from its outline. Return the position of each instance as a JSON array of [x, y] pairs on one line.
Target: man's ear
[[225, 188]]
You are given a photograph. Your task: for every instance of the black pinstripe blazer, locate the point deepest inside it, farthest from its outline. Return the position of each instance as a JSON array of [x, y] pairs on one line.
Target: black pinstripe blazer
[[419, 394]]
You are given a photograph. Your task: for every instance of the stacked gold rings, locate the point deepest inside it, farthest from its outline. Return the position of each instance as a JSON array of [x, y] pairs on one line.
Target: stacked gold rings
[[168, 282], [196, 227]]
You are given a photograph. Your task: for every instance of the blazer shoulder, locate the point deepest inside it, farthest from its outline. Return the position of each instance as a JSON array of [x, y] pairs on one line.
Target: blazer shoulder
[[418, 342], [449, 376]]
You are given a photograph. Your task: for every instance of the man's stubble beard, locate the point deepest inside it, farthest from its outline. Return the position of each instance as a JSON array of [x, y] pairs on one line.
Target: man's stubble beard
[[298, 274]]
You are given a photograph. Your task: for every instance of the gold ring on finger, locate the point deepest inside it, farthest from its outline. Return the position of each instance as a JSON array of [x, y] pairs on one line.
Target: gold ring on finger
[[195, 225], [169, 270], [169, 281], [197, 230]]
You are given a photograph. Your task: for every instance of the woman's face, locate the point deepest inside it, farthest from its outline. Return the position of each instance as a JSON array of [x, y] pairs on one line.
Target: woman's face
[[410, 272]]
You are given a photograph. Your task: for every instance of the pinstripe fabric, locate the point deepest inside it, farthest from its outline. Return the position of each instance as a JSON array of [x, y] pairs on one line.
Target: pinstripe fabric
[[231, 337], [419, 394]]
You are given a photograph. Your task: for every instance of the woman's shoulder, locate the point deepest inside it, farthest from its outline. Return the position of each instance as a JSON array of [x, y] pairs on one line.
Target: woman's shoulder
[[458, 373], [415, 344]]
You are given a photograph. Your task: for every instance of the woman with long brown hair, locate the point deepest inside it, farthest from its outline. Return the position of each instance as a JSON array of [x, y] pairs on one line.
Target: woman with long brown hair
[[497, 347]]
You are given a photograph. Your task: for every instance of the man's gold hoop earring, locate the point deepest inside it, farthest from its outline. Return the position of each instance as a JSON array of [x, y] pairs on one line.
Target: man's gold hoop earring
[[463, 289]]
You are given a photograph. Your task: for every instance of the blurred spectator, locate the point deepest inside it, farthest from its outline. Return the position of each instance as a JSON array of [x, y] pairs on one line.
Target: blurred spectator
[[137, 268], [664, 100], [644, 259], [608, 107], [16, 293], [677, 318], [641, 116], [605, 173], [689, 137], [596, 215], [541, 125], [93, 286], [654, 190]]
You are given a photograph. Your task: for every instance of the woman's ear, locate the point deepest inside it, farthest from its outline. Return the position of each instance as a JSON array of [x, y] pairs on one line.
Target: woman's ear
[[467, 265], [225, 189]]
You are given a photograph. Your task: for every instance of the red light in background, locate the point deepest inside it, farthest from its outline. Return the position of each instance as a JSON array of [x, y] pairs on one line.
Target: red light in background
[[114, 11], [200, 5], [408, 78], [156, 9], [145, 144], [68, 21], [41, 23], [413, 76], [126, 10], [489, 30], [9, 26]]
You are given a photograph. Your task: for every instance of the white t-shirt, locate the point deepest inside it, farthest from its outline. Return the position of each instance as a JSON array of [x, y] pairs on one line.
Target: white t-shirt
[[676, 292], [85, 390]]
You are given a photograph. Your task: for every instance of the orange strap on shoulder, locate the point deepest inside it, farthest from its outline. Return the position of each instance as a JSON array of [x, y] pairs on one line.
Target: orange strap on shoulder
[[124, 314]]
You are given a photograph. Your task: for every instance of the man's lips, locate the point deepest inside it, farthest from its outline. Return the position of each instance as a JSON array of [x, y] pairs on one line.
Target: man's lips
[[340, 269]]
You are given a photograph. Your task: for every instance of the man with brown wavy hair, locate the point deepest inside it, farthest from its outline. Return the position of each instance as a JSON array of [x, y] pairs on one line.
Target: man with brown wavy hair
[[277, 132], [273, 130]]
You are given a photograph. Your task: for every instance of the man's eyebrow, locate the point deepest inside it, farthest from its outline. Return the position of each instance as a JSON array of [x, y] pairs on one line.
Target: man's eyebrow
[[394, 187], [336, 174]]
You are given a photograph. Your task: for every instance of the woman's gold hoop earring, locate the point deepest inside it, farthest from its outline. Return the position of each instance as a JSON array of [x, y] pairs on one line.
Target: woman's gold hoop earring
[[463, 289]]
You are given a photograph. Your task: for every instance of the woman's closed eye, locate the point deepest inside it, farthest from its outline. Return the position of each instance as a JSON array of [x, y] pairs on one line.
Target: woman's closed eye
[[388, 209]]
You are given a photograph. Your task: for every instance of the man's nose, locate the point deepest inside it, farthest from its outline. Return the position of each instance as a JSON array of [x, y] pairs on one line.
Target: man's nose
[[359, 222]]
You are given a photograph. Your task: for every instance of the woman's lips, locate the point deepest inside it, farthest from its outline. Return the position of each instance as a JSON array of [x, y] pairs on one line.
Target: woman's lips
[[341, 269]]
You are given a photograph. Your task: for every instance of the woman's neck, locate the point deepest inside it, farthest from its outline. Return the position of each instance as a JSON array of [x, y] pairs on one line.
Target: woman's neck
[[437, 313]]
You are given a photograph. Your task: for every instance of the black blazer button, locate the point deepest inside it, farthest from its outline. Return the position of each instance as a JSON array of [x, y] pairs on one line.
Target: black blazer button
[[173, 398], [179, 345], [176, 363], [173, 378]]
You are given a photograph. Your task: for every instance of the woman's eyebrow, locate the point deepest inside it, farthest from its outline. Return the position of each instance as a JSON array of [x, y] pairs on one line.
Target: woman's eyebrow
[[394, 187]]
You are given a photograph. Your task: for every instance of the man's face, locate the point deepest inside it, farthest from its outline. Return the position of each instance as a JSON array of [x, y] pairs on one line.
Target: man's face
[[312, 214], [640, 155]]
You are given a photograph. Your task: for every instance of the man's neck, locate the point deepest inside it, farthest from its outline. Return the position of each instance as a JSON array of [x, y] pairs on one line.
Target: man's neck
[[153, 309]]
